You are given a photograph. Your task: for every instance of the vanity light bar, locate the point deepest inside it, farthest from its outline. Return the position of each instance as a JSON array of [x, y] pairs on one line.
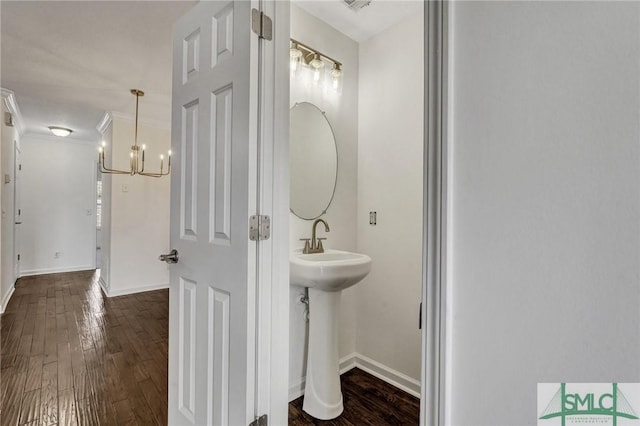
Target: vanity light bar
[[312, 53]]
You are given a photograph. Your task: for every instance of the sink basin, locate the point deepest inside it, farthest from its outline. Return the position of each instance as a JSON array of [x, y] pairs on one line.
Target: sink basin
[[333, 270]]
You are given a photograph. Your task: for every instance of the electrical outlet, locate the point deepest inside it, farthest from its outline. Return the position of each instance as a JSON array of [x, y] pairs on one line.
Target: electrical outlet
[[373, 218], [56, 255]]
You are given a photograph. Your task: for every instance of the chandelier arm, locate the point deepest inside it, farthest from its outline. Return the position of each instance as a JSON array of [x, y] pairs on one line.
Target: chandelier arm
[[162, 173], [105, 169]]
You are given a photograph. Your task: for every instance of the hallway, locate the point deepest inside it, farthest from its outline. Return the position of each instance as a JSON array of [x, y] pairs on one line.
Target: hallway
[[72, 356]]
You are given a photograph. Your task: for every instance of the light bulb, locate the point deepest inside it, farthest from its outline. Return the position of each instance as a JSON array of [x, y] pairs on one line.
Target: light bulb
[[104, 144], [161, 157], [144, 147], [336, 75], [100, 150], [317, 66], [295, 56], [131, 154], [169, 153]]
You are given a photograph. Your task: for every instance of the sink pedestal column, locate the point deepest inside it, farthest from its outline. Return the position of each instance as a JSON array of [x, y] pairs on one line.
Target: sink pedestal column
[[322, 394]]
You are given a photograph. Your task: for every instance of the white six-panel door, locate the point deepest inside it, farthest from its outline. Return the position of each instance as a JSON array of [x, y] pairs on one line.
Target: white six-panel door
[[213, 193]]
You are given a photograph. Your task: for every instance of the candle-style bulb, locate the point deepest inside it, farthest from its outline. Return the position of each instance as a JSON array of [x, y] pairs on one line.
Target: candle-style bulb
[[169, 153], [104, 144], [131, 154], [161, 157], [144, 147]]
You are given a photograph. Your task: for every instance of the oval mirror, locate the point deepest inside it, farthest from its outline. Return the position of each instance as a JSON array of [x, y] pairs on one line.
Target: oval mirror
[[313, 161]]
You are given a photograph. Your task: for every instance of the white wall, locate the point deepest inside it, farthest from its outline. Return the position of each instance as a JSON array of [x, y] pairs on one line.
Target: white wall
[[105, 232], [390, 167], [9, 136], [139, 213], [546, 202], [342, 113], [58, 205]]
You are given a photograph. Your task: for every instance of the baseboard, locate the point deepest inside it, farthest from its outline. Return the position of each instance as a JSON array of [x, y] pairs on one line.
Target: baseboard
[[5, 300], [134, 290], [382, 372], [389, 375], [45, 271], [103, 286]]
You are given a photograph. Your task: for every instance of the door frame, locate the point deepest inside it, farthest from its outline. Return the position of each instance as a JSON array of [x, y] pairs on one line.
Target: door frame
[[272, 316], [437, 224], [17, 154]]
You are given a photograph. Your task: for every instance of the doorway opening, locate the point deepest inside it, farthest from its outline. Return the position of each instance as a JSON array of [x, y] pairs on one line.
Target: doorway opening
[[375, 207]]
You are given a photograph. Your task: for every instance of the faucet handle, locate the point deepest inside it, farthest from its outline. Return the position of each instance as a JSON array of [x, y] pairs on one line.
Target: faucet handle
[[320, 248], [307, 247]]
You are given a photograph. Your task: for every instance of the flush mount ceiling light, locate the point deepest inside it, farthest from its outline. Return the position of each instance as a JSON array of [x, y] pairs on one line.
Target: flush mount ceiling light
[[136, 157], [300, 53], [60, 131]]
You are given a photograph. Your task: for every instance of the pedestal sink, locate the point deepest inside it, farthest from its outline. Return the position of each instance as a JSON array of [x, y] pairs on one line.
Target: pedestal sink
[[326, 275]]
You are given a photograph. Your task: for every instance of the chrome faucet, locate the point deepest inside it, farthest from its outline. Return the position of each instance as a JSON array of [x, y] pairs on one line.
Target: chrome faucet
[[316, 243]]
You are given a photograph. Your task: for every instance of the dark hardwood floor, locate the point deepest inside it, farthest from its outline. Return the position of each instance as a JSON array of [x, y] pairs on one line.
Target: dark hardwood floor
[[367, 401], [69, 355]]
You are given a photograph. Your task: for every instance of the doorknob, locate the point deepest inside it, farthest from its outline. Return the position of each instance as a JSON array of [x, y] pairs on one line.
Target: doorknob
[[172, 257]]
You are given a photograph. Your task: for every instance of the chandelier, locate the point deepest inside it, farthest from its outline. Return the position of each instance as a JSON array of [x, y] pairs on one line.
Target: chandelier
[[136, 156]]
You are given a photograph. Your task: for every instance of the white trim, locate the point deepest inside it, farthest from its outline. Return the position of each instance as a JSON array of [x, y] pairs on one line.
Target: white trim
[[156, 124], [370, 366], [48, 137], [5, 300], [11, 103], [274, 194], [389, 375], [435, 341], [47, 271], [104, 123], [103, 286], [134, 290]]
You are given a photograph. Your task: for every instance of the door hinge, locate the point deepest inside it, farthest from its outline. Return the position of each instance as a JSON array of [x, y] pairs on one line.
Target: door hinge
[[260, 421], [259, 227], [261, 24], [8, 119], [18, 257], [420, 318], [19, 166]]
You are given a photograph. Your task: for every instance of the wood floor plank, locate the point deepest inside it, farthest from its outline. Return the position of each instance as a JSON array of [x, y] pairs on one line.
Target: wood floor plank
[[34, 373], [30, 409], [49, 394], [65, 373], [67, 409], [124, 413]]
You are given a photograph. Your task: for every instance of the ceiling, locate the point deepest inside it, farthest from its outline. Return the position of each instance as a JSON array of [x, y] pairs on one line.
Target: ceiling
[[362, 24], [70, 61]]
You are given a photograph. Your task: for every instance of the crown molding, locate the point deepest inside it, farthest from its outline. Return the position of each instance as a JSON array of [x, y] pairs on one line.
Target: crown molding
[[9, 100], [104, 123], [157, 124]]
